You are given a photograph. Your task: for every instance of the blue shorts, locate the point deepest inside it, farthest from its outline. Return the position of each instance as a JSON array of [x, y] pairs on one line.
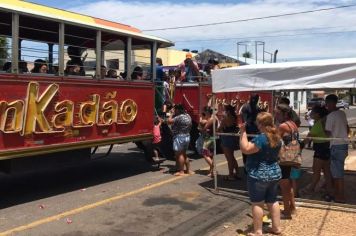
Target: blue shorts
[[295, 173], [181, 142], [338, 154], [262, 191]]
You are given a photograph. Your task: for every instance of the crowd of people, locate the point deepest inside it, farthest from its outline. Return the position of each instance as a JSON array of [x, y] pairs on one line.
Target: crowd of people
[[261, 139], [187, 71]]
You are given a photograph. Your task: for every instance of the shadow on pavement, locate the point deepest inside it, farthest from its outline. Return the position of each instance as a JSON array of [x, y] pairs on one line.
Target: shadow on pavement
[[21, 188], [239, 187]]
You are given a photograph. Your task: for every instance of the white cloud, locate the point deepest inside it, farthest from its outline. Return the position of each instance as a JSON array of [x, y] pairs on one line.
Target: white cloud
[[165, 14]]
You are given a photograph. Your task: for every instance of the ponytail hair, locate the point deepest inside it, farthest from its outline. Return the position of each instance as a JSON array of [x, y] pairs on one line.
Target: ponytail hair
[[265, 120]]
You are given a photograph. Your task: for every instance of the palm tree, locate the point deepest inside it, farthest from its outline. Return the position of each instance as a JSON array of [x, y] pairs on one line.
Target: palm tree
[[247, 54]]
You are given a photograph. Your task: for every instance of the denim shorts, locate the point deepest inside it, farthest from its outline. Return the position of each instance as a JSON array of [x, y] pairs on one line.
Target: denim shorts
[[338, 154], [181, 142], [295, 173], [262, 191]]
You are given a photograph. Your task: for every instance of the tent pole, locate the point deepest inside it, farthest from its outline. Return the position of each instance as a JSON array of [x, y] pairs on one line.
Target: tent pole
[[214, 139]]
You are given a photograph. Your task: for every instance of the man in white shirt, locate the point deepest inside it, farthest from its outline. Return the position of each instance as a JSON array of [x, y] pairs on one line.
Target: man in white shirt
[[336, 127]]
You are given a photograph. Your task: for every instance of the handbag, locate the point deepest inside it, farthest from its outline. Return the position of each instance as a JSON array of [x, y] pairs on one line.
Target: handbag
[[290, 154]]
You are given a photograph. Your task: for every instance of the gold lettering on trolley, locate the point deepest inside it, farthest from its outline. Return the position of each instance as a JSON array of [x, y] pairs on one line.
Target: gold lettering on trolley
[[111, 95], [42, 113], [35, 108], [11, 116], [64, 114], [237, 102], [88, 112], [109, 113], [128, 111]]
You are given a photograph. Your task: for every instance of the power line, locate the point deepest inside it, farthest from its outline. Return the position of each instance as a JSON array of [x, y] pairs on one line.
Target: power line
[[252, 19], [266, 36]]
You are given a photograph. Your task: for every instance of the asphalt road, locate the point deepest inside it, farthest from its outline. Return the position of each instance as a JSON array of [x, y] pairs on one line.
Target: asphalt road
[[119, 195]]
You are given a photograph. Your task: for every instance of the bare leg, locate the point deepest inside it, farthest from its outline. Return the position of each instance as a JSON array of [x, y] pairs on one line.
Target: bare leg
[[327, 176], [339, 189], [187, 164], [317, 166], [294, 184], [231, 161], [156, 155], [286, 196], [276, 217], [257, 213], [293, 207], [181, 161], [209, 160]]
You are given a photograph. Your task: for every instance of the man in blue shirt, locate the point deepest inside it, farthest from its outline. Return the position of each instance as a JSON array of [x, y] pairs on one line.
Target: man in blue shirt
[[159, 69]]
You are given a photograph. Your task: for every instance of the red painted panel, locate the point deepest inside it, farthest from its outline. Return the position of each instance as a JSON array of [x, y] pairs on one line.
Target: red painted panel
[[194, 98], [78, 91]]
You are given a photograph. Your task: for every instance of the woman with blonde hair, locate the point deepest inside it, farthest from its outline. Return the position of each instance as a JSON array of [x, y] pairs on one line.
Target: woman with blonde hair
[[263, 171]]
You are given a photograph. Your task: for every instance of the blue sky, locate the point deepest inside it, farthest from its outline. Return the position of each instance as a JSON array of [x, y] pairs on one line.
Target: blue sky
[[328, 34]]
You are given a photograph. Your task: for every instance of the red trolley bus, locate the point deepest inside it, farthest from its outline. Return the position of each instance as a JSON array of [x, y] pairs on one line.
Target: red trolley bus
[[68, 103], [73, 106]]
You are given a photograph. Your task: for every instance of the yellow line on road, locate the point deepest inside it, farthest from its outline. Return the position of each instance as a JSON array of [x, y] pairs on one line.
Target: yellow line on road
[[94, 205]]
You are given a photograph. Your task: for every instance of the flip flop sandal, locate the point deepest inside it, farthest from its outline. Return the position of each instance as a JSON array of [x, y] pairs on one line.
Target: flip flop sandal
[[270, 231]]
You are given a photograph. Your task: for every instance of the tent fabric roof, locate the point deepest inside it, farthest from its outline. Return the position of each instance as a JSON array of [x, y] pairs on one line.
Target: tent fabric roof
[[319, 74]]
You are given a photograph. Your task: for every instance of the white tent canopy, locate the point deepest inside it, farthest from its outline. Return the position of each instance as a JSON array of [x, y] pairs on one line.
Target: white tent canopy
[[320, 74]]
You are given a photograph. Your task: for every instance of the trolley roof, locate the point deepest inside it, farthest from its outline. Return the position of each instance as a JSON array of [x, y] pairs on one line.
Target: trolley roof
[[36, 10]]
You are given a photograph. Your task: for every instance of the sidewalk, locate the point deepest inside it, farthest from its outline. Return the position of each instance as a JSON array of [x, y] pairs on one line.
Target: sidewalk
[[329, 219], [312, 218]]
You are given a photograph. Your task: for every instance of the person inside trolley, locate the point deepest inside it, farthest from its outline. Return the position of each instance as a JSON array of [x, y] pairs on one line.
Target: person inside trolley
[[73, 68], [102, 72], [189, 69], [75, 54], [137, 73], [40, 67]]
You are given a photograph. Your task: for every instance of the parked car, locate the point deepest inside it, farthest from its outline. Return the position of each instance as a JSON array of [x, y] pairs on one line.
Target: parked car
[[315, 102], [342, 104]]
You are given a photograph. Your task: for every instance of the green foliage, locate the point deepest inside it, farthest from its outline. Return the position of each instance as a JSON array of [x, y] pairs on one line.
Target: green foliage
[[4, 54], [247, 54]]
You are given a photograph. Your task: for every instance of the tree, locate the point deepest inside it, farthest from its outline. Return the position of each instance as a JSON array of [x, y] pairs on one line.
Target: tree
[[3, 51], [247, 54]]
